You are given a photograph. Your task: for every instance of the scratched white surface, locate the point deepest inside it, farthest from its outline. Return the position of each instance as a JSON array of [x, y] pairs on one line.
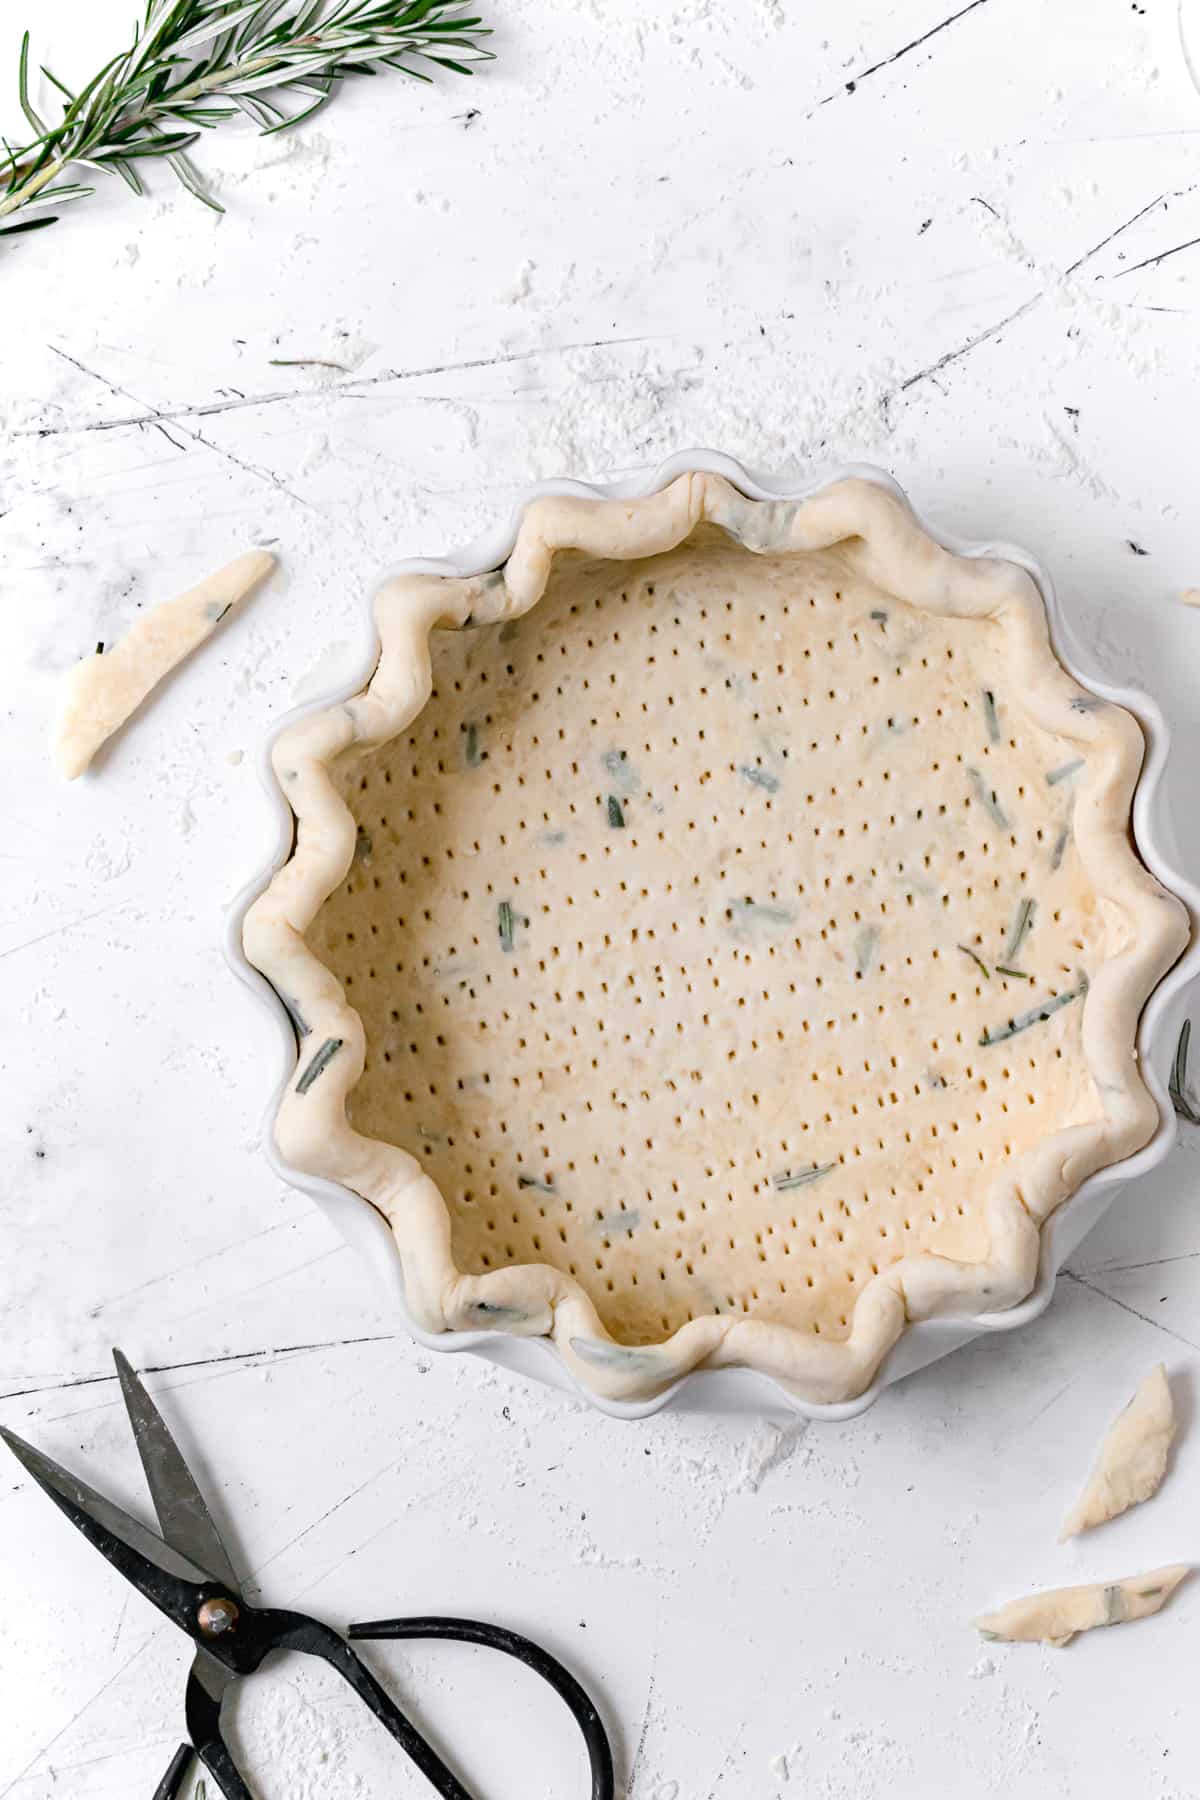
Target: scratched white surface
[[662, 226]]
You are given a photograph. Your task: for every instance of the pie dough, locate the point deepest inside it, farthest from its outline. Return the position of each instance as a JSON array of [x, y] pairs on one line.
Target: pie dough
[[1132, 1459], [1058, 1615], [103, 690], [715, 937]]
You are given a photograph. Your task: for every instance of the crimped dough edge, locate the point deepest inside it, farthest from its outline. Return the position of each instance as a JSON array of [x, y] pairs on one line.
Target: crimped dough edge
[[893, 550]]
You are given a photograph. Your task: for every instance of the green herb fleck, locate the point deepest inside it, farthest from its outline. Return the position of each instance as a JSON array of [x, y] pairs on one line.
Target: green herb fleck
[[362, 843], [216, 610], [987, 799], [865, 945], [319, 1063], [1114, 1605], [757, 777], [100, 648], [1059, 850], [1086, 703], [758, 911], [490, 1309], [1177, 1085], [1022, 925], [880, 617], [1149, 1593], [1013, 974], [504, 915], [990, 1637], [295, 1015], [1037, 1015], [628, 1359], [622, 1223], [977, 960], [471, 751], [540, 1185], [1064, 772], [623, 773], [785, 1183], [616, 815], [990, 716]]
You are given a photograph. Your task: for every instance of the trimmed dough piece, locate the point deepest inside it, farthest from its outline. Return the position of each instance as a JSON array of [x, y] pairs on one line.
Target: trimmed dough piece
[[1190, 596], [101, 692], [1057, 1615], [1132, 1459]]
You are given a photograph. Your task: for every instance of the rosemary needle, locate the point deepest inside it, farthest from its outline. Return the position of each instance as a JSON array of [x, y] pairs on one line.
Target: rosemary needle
[[977, 960], [1177, 1087], [195, 63]]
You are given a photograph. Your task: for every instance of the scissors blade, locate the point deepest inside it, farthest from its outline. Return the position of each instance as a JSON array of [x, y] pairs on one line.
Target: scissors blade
[[184, 1519], [164, 1575]]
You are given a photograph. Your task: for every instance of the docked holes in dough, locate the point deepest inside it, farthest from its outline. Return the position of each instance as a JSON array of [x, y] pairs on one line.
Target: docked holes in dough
[[103, 690]]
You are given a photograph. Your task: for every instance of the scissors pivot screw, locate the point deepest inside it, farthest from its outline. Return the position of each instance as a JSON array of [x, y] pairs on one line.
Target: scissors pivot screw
[[216, 1617]]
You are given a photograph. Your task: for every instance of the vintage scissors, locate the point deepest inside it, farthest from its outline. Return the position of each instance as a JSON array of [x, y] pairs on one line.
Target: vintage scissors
[[187, 1574]]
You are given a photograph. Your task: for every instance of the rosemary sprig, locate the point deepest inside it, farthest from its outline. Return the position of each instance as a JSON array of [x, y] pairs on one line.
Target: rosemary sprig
[[195, 63], [1177, 1085]]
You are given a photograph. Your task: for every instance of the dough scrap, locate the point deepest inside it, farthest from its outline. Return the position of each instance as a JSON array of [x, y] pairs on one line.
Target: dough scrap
[[1191, 596], [101, 692], [1056, 1616], [1132, 1459]]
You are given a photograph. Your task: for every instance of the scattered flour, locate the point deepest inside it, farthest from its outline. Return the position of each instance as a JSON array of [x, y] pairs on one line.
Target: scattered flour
[[768, 1448], [298, 1748], [520, 288]]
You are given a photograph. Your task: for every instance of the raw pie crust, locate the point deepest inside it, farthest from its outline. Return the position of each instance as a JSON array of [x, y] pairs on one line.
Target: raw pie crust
[[715, 937]]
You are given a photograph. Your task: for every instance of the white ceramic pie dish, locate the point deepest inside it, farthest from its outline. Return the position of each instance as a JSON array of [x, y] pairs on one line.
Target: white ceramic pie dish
[[742, 1389]]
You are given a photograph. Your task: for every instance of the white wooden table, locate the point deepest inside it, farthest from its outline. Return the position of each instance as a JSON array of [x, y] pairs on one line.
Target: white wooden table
[[940, 241]]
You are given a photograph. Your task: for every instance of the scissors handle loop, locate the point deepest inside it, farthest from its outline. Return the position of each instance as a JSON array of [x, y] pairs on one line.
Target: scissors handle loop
[[267, 1630], [270, 1630], [511, 1643]]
